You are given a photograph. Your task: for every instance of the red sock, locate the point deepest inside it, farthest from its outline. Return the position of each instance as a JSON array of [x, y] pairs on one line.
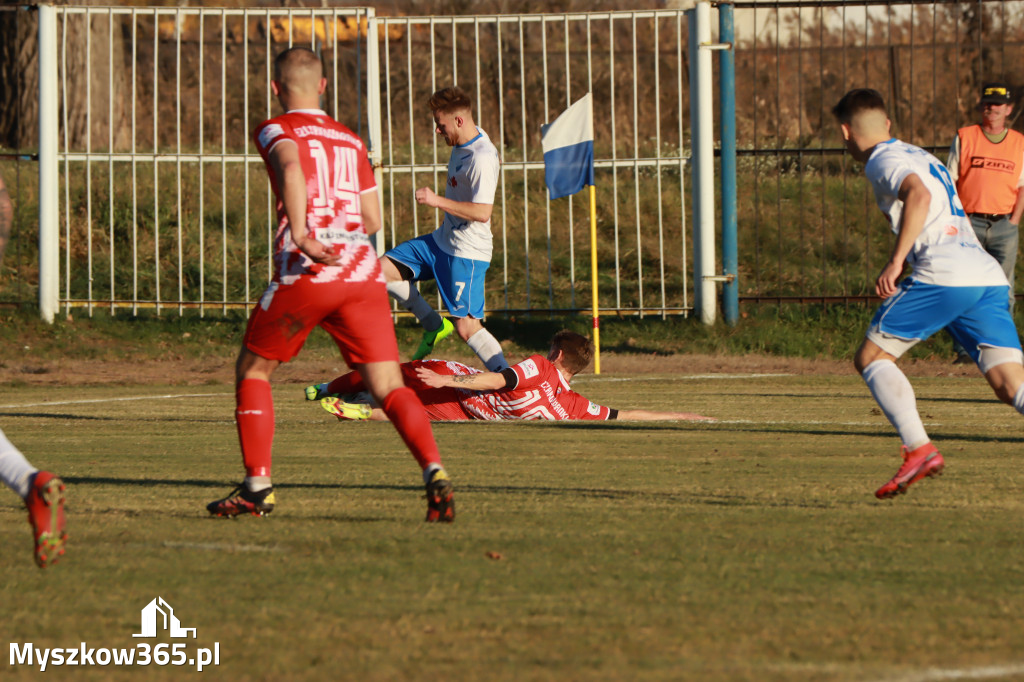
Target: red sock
[[254, 416], [406, 412], [346, 383]]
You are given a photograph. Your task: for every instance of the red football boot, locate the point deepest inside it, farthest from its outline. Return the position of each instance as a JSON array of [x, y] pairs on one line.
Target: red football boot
[[45, 504], [917, 464]]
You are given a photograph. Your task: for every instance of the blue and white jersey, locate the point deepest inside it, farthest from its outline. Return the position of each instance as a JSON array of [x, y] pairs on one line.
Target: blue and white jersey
[[472, 176], [947, 251]]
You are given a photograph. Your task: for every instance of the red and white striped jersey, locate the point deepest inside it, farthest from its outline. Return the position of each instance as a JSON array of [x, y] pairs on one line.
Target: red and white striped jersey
[[337, 172], [542, 393]]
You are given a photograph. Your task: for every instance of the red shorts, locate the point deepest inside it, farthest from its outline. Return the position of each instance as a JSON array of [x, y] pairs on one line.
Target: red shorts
[[441, 404], [355, 314]]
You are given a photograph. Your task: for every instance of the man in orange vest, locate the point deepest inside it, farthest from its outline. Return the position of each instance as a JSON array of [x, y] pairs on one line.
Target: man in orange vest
[[986, 161]]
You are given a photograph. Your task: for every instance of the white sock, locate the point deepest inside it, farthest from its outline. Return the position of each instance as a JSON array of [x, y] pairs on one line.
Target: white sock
[[1018, 400], [429, 471], [257, 483], [15, 470], [488, 349], [894, 394], [409, 298]]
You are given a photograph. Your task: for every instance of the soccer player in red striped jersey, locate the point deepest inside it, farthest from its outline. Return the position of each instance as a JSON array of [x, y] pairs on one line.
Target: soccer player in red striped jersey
[[326, 273], [536, 388]]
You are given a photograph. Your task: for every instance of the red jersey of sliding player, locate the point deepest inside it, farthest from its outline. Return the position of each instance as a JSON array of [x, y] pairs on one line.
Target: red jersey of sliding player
[[538, 391]]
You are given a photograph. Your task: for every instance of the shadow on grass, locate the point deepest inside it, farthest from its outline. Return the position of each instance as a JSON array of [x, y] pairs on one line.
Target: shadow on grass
[[886, 432], [937, 436], [717, 427], [221, 483], [853, 396], [975, 401], [118, 418], [813, 396], [713, 499], [45, 415]]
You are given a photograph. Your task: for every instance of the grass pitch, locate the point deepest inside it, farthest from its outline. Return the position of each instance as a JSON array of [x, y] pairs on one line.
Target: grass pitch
[[747, 549]]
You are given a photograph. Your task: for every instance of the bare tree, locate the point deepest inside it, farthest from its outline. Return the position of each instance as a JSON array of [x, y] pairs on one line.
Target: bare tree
[[99, 73], [19, 104]]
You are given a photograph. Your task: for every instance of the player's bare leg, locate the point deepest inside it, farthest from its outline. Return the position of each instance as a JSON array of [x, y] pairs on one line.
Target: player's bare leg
[[404, 409], [895, 396], [254, 417], [1007, 380]]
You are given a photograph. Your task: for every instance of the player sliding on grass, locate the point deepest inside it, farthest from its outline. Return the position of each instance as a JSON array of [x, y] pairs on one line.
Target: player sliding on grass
[[954, 283], [536, 388], [325, 273]]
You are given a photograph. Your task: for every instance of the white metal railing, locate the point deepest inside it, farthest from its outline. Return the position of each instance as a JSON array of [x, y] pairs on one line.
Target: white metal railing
[[163, 202], [139, 184], [530, 232]]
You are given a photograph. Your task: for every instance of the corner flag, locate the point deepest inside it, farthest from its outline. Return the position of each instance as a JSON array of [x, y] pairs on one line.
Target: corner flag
[[568, 144]]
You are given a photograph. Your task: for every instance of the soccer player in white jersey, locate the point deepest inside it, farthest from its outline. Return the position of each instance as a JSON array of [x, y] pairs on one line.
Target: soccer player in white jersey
[[953, 282], [457, 254]]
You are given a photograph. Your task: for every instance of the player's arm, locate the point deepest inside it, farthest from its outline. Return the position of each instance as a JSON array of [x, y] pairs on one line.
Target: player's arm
[[916, 199], [369, 208], [483, 177], [650, 415], [483, 381], [1018, 205], [287, 168], [467, 210]]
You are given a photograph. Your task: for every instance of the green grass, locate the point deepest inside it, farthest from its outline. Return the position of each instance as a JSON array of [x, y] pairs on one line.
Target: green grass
[[812, 331], [748, 549]]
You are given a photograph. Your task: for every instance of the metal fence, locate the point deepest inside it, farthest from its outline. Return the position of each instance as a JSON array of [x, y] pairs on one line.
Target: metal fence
[[809, 229], [523, 71], [164, 203]]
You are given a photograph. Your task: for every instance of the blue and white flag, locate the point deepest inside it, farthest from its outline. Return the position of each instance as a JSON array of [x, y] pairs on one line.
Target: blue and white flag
[[568, 144]]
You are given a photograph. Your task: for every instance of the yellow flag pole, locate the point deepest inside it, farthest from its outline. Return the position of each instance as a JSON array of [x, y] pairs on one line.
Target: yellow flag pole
[[593, 280]]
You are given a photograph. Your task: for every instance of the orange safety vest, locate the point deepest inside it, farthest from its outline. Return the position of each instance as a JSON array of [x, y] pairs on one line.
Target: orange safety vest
[[987, 181]]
